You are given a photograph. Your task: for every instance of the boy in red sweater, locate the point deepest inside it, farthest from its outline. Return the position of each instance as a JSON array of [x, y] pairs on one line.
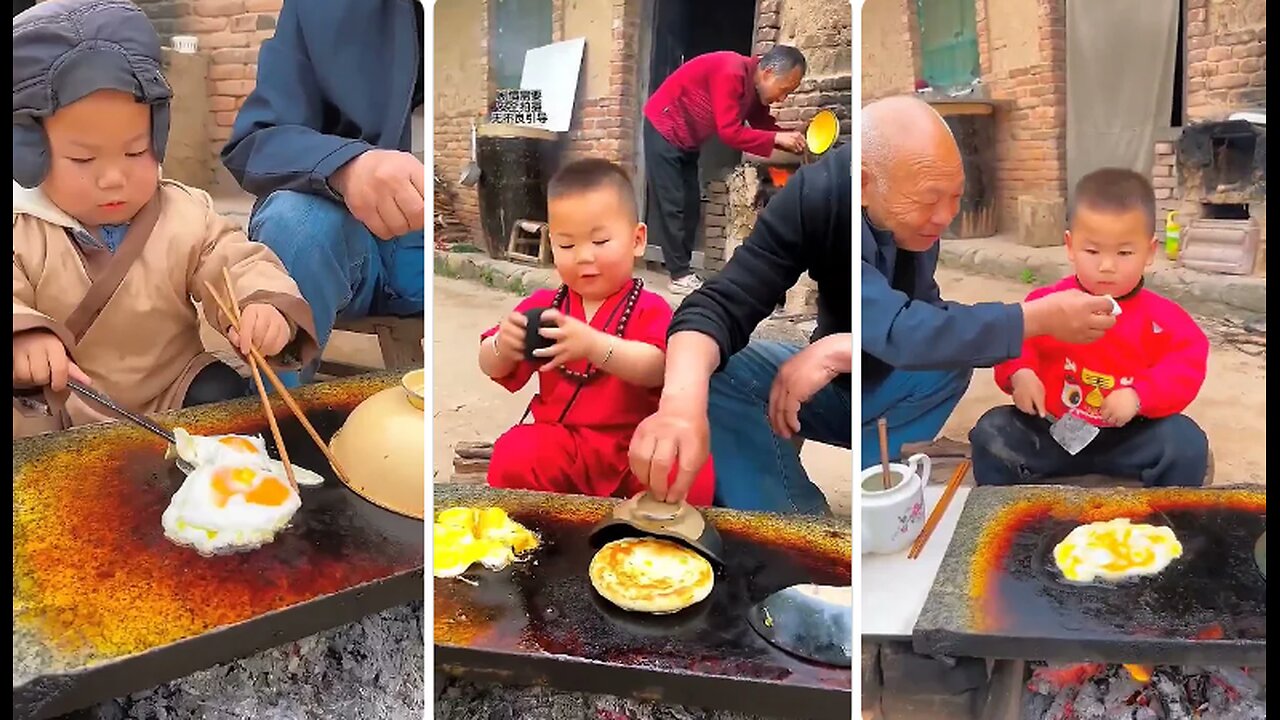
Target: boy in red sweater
[[604, 372], [1133, 383]]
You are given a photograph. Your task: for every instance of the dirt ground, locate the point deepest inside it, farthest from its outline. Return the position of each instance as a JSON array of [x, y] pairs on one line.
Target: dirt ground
[[1231, 407]]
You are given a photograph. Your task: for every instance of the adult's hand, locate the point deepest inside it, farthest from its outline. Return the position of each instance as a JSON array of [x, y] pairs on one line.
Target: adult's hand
[[677, 437], [383, 189], [672, 438], [792, 142], [1071, 316], [801, 377]]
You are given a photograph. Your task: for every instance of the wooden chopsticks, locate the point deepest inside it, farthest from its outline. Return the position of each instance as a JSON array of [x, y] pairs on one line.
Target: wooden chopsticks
[[261, 362], [257, 381], [938, 510]]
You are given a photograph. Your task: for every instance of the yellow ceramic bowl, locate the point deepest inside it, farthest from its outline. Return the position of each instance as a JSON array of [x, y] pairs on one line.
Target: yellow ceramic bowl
[[822, 132], [382, 447]]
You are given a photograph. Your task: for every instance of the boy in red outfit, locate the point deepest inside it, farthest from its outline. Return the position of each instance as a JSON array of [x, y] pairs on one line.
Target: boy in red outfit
[[603, 374], [1133, 383]]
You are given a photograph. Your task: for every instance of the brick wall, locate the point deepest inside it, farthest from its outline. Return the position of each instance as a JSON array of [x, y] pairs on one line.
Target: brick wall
[[1226, 45], [462, 85], [1023, 52], [604, 123], [1023, 56], [229, 33], [890, 64]]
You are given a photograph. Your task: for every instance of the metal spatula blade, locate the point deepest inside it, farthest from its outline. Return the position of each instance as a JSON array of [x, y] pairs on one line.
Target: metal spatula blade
[[1260, 554], [1072, 433], [812, 622]]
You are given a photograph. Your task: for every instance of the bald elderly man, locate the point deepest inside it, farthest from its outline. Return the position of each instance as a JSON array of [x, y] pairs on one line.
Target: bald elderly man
[[918, 350]]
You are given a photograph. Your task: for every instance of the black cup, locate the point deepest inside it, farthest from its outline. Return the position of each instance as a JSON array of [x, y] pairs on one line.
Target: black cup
[[534, 340]]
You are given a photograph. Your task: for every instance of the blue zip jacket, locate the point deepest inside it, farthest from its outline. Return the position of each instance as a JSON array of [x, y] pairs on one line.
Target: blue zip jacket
[[338, 78], [906, 325]]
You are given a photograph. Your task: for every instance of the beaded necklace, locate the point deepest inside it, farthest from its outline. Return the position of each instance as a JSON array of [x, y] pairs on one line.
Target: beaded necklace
[[628, 305]]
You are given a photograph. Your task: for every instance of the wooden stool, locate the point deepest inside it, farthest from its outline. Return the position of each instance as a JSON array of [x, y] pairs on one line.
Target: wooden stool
[[400, 340], [530, 243]]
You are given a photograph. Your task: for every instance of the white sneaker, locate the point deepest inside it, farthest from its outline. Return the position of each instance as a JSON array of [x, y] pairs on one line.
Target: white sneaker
[[685, 285]]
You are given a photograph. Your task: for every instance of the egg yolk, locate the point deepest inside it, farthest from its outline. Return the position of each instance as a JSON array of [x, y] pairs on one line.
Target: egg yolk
[[462, 536], [239, 443], [1127, 547], [239, 481]]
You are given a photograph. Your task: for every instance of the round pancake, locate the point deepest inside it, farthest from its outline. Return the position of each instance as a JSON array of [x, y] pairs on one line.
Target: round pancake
[[651, 575]]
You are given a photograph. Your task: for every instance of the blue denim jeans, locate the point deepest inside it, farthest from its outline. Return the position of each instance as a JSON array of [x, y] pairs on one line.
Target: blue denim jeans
[[1011, 447], [756, 469], [342, 269], [916, 405]]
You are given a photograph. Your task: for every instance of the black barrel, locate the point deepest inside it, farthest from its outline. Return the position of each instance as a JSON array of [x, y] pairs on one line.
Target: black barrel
[[515, 165], [974, 126]]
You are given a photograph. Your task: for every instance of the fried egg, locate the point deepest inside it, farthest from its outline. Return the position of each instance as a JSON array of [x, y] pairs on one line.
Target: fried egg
[[651, 575], [462, 537], [1115, 550], [229, 508], [217, 450]]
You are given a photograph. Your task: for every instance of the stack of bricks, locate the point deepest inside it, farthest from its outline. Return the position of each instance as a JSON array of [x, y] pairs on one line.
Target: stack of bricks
[[715, 223], [230, 33], [1164, 177], [1226, 45]]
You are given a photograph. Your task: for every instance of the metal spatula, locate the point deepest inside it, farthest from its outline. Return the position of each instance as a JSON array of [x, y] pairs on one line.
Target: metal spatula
[[144, 423], [812, 622], [1072, 433]]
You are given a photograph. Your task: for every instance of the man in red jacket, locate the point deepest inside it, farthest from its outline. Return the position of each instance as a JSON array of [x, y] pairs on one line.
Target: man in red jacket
[[721, 93], [1134, 382]]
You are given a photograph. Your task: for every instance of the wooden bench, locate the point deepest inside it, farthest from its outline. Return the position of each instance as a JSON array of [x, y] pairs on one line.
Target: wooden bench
[[399, 339]]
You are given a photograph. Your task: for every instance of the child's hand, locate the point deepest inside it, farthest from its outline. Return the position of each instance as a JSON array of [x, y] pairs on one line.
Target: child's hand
[[1028, 392], [262, 327], [510, 337], [575, 340], [1120, 406], [39, 359]]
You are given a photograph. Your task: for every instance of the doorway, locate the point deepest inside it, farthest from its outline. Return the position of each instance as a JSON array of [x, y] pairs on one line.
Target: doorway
[[675, 31]]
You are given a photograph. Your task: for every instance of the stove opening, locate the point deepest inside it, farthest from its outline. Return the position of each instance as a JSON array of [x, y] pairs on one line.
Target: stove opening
[[1224, 211], [1096, 691], [1233, 157], [1228, 156]]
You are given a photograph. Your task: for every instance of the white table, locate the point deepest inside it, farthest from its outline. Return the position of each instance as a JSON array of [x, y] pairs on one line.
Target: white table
[[894, 588]]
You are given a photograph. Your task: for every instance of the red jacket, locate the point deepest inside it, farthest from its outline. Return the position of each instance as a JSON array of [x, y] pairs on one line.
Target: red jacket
[[713, 93], [1155, 348]]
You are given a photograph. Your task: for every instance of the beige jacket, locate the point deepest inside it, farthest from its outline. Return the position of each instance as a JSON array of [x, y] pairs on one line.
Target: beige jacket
[[140, 345]]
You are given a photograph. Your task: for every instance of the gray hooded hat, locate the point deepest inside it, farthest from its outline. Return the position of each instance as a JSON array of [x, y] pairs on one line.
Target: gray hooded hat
[[64, 50]]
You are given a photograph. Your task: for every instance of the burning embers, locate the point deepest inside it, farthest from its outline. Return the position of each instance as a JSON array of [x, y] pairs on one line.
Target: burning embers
[[1094, 691]]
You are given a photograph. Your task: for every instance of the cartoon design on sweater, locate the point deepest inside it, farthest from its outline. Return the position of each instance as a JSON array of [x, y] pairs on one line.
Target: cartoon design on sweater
[[1084, 390], [1100, 383]]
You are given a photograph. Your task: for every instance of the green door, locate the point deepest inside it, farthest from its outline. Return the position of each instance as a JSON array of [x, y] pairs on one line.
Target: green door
[[948, 42]]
